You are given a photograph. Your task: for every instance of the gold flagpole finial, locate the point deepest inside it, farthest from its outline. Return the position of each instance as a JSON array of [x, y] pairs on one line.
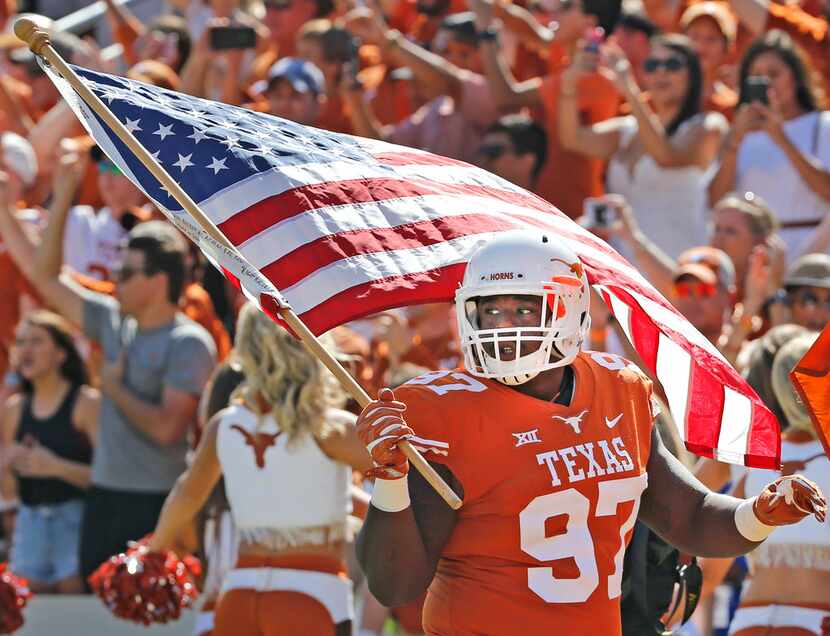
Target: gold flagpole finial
[[34, 36]]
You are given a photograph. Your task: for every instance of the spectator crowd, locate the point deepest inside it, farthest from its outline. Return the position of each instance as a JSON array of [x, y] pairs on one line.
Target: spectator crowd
[[692, 135]]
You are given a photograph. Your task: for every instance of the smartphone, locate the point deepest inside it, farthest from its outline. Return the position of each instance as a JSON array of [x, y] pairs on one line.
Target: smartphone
[[756, 89], [593, 39], [232, 37], [598, 212]]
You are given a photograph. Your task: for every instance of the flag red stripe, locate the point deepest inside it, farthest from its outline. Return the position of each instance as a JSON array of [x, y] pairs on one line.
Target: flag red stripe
[[704, 410], [416, 158], [763, 448], [646, 337], [266, 213]]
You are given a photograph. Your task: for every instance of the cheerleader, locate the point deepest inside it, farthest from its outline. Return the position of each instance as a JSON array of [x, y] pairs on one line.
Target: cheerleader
[[284, 448]]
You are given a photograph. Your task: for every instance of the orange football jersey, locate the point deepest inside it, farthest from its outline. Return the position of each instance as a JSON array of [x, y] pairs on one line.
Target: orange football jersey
[[551, 494]]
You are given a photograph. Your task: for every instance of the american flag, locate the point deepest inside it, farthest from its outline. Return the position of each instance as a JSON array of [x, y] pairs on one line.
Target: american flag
[[344, 227]]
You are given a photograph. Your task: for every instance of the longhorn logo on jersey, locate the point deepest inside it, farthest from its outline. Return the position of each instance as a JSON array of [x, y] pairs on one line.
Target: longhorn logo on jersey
[[260, 442], [575, 421]]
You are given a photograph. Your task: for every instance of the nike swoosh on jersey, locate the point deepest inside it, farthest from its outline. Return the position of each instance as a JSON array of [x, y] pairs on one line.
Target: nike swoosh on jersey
[[613, 423]]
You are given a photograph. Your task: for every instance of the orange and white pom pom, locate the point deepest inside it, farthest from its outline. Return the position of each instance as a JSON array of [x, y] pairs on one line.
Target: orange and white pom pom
[[14, 593], [146, 587]]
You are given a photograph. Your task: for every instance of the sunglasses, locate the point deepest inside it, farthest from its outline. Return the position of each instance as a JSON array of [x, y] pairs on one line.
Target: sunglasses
[[107, 166], [126, 272], [277, 5], [811, 298], [492, 151], [694, 289], [671, 64]]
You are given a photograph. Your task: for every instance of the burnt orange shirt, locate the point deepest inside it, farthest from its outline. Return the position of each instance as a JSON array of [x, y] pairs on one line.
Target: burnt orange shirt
[[810, 31], [335, 116], [567, 178], [404, 16], [551, 494], [197, 305], [14, 286], [390, 99], [409, 615]]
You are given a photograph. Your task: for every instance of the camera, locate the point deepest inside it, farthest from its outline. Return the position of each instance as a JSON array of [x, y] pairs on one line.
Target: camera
[[232, 37], [598, 212], [756, 89]]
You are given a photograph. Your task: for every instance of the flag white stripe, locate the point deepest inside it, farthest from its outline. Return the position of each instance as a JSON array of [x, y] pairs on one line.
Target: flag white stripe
[[734, 430], [622, 313], [674, 363]]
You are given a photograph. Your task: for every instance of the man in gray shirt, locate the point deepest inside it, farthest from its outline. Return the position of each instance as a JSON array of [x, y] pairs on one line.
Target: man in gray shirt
[[157, 362]]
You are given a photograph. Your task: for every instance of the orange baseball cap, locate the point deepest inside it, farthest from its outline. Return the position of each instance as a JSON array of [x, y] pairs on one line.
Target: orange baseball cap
[[707, 264]]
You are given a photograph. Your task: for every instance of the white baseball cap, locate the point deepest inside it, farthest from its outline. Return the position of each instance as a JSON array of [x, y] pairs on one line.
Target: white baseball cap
[[19, 157]]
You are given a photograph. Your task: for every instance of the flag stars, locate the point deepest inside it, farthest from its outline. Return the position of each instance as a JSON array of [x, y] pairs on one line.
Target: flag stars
[[231, 142], [164, 131], [133, 125], [217, 165], [184, 162], [198, 135], [110, 95]]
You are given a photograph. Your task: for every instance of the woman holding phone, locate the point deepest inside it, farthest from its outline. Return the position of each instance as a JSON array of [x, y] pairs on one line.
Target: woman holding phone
[[779, 144], [658, 155]]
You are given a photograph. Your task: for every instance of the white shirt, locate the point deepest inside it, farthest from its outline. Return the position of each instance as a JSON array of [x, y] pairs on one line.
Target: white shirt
[[669, 204], [92, 242], [764, 169], [279, 486]]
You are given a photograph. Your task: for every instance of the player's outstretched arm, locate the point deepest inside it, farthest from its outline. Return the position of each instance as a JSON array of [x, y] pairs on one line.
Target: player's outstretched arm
[[698, 521], [408, 523]]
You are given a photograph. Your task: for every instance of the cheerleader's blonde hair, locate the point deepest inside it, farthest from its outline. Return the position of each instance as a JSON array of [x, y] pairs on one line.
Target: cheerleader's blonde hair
[[292, 384]]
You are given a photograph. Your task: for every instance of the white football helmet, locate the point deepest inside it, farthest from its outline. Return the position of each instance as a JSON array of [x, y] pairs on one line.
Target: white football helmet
[[525, 263]]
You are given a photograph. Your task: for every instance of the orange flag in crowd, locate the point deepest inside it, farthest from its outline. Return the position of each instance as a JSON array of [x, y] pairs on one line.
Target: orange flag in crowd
[[811, 378]]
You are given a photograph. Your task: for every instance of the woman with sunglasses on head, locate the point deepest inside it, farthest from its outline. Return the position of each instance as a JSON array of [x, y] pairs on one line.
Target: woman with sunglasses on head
[[284, 448], [779, 144], [658, 155], [46, 440]]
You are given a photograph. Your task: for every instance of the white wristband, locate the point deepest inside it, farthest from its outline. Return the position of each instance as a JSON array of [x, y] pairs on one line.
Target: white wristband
[[391, 495], [748, 524]]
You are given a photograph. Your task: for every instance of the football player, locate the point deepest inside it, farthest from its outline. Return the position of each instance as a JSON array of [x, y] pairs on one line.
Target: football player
[[553, 451]]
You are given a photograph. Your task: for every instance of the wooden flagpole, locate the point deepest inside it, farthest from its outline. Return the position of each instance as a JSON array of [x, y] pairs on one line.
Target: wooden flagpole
[[39, 43]]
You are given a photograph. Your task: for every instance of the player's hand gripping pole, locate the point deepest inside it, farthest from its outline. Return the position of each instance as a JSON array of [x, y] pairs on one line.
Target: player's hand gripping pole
[[38, 41]]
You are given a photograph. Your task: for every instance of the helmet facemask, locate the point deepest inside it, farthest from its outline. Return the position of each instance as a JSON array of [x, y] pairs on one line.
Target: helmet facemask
[[516, 354]]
